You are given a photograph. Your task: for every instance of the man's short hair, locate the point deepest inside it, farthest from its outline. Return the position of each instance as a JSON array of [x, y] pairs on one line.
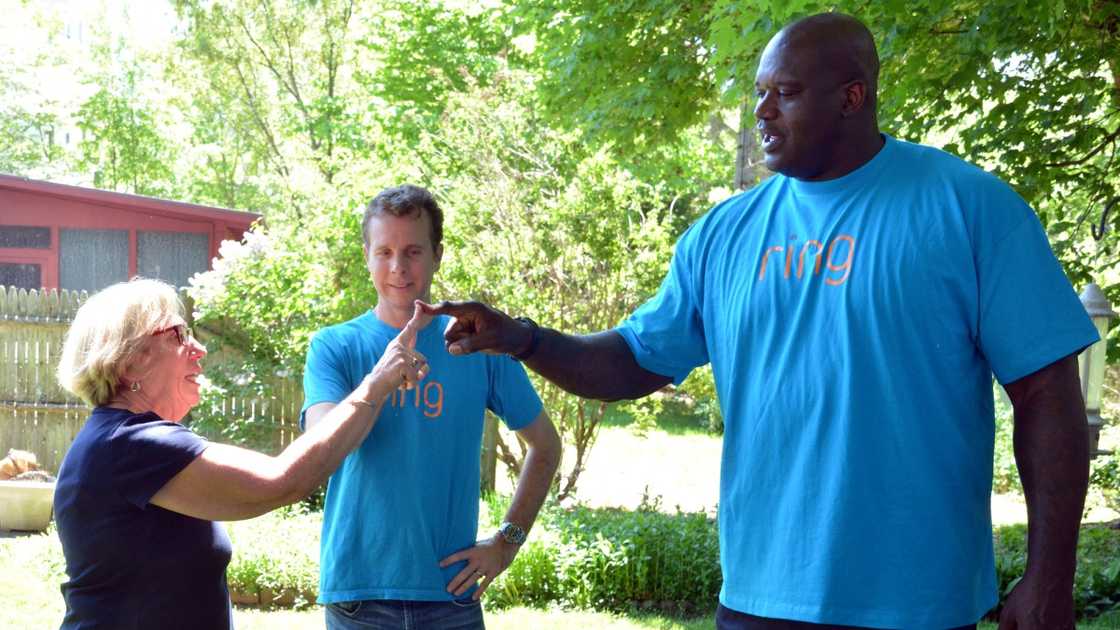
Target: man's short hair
[[405, 201]]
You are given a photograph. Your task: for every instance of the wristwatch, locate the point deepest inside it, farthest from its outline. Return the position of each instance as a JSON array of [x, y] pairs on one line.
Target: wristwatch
[[534, 340], [512, 534]]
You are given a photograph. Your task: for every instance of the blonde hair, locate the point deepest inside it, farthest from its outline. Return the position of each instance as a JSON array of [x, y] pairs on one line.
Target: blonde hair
[[110, 331]]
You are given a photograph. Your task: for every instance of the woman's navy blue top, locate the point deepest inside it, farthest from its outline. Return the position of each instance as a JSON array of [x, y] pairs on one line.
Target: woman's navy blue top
[[131, 564]]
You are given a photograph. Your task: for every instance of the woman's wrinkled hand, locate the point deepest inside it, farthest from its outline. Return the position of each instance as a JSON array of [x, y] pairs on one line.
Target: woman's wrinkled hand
[[401, 366]]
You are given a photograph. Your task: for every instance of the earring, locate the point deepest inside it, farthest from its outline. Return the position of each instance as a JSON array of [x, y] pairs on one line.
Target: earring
[[135, 386]]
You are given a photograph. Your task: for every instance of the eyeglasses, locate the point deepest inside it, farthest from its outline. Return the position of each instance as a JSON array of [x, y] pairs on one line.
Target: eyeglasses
[[182, 333]]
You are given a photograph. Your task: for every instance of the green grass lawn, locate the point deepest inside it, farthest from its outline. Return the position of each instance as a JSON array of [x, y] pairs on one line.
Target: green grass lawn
[[31, 570]]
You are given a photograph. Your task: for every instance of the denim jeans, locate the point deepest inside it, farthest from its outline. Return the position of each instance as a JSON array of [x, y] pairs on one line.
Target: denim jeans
[[727, 619], [390, 614]]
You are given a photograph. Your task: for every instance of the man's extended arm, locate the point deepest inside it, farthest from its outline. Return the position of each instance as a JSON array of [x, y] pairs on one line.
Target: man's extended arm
[[1052, 452], [490, 557], [599, 365]]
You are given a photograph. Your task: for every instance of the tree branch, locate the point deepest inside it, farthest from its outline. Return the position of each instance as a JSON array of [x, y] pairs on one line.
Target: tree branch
[[1100, 147], [278, 158], [291, 88]]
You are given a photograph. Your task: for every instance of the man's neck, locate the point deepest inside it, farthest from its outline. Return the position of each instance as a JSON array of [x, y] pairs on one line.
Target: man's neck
[[853, 154], [864, 149]]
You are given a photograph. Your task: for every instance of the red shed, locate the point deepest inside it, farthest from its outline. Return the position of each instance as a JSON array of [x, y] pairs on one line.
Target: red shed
[[57, 236]]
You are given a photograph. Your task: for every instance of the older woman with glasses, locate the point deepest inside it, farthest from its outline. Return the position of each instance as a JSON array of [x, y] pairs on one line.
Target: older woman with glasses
[[138, 494]]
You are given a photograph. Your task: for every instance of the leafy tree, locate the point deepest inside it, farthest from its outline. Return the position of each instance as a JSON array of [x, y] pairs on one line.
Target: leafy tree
[[421, 52], [27, 138], [1028, 90], [636, 72], [121, 145], [29, 118], [282, 73], [223, 167]]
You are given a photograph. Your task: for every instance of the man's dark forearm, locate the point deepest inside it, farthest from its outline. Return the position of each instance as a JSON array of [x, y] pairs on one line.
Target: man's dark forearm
[[1052, 453], [599, 365]]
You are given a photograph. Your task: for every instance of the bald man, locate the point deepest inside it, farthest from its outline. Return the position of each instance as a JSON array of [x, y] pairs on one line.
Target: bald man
[[854, 309]]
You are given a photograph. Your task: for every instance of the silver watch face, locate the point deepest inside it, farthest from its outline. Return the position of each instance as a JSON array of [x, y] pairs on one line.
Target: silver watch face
[[513, 534]]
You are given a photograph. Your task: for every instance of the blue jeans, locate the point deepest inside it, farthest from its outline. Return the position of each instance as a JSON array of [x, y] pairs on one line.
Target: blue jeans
[[391, 614], [728, 619]]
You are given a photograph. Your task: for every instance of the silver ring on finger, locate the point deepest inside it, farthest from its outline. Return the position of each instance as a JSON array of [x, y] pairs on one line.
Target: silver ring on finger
[[415, 362]]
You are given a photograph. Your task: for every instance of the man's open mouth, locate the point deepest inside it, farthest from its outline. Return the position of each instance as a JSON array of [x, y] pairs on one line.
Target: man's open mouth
[[770, 141]]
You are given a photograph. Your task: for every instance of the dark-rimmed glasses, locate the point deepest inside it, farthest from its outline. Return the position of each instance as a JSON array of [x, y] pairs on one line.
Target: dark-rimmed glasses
[[182, 333]]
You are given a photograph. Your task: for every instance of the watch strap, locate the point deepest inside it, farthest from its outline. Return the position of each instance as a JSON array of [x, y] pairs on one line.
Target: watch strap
[[534, 340], [511, 533]]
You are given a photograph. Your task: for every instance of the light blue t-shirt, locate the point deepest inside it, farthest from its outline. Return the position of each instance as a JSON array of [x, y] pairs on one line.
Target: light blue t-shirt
[[853, 326], [408, 496]]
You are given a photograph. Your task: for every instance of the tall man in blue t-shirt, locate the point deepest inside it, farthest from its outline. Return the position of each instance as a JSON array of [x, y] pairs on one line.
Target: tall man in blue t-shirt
[[854, 308], [401, 513]]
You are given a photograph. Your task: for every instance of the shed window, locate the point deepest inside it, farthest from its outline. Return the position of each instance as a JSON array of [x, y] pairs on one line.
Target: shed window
[[92, 259], [172, 256], [25, 237], [21, 275]]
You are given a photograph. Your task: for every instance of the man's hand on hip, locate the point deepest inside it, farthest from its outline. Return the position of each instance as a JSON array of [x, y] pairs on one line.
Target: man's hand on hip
[[485, 561]]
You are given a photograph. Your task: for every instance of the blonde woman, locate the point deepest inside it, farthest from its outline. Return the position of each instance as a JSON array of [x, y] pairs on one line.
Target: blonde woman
[[138, 494]]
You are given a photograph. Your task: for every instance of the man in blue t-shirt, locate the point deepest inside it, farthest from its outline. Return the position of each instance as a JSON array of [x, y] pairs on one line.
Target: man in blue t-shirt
[[401, 513], [854, 308]]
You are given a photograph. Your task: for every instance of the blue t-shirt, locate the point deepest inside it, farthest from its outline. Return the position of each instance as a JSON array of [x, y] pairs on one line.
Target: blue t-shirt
[[853, 327], [133, 565], [408, 496]]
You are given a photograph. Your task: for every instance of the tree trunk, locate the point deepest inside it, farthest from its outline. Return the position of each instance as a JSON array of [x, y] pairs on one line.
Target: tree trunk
[[743, 171], [489, 461]]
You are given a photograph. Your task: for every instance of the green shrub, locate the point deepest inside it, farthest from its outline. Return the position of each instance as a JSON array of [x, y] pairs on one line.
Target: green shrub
[[616, 560], [1105, 477], [532, 580], [277, 552], [610, 559]]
